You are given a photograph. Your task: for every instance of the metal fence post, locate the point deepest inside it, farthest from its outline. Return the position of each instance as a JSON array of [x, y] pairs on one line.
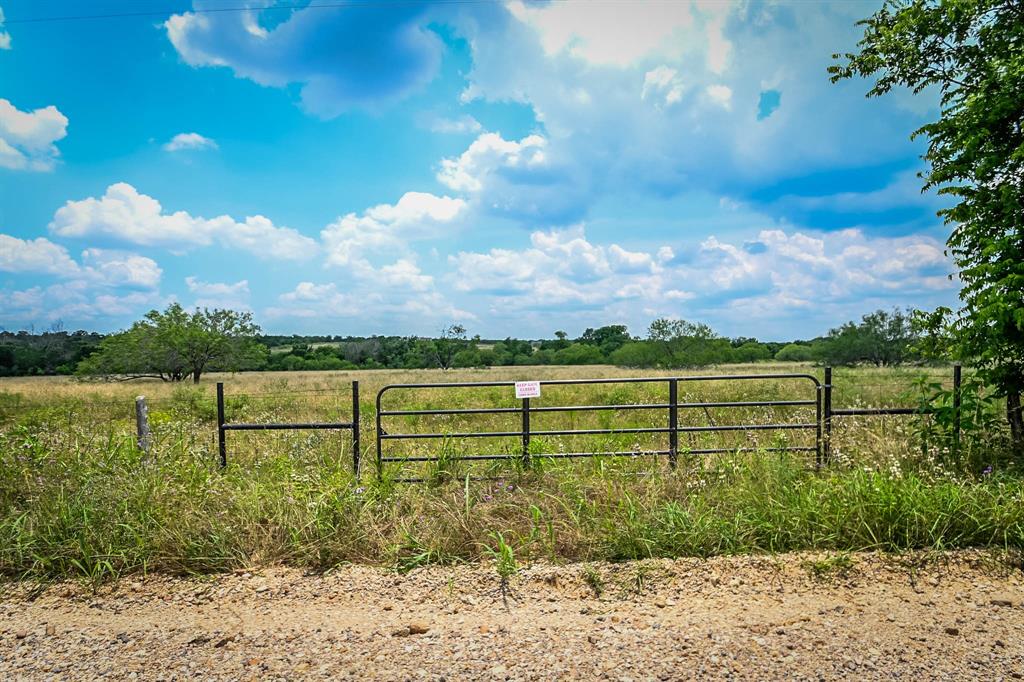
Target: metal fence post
[[673, 421], [142, 424], [526, 430], [957, 389], [355, 429], [819, 399], [827, 408], [221, 443]]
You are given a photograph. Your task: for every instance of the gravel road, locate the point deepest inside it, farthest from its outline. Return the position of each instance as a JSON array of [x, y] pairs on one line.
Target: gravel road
[[955, 615]]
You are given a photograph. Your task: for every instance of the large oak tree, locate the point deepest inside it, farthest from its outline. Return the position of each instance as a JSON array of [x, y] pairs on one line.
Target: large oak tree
[[176, 344]]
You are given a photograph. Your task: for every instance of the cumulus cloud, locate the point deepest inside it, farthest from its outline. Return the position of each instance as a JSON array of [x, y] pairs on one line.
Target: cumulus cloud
[[98, 266], [801, 268], [36, 255], [341, 57], [127, 215], [490, 153], [189, 141], [121, 269], [561, 268], [387, 228], [27, 138]]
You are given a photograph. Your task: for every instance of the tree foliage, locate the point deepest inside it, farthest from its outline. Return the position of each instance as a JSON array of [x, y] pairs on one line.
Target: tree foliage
[[972, 52], [882, 338], [176, 344]]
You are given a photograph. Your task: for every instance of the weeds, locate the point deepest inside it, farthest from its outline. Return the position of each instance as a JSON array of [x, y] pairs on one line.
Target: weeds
[[594, 580], [830, 567], [504, 563]]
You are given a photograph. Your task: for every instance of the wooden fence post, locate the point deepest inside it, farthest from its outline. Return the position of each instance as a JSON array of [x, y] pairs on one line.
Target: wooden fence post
[[144, 437]]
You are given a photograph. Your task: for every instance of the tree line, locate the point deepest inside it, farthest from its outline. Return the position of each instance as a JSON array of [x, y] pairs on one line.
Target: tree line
[[178, 345]]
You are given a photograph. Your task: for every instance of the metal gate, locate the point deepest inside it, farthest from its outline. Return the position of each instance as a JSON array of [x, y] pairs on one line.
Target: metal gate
[[223, 426], [671, 427]]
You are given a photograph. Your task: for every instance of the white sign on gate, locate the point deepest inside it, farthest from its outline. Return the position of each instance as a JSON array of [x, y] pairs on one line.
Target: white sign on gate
[[527, 389]]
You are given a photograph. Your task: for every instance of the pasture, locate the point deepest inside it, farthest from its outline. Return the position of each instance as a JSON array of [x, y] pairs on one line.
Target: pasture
[[78, 497]]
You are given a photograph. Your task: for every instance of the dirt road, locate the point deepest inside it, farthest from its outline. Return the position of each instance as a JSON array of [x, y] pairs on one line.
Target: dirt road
[[790, 616]]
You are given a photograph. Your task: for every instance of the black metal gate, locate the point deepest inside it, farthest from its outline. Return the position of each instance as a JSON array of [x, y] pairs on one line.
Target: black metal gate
[[223, 426], [671, 427]]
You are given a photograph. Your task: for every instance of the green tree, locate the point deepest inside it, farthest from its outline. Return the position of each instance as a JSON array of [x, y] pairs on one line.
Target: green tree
[[608, 338], [447, 346], [795, 352], [687, 344], [972, 52], [882, 338], [175, 344]]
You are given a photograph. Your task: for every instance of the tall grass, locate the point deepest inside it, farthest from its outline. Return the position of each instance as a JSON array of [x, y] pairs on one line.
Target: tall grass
[[77, 498]]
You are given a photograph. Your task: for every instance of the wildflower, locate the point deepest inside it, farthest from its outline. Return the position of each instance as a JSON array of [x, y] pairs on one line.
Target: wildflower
[[360, 490], [987, 471]]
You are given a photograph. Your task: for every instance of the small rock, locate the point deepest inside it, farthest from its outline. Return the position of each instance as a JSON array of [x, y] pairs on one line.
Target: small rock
[[1002, 602], [418, 628], [387, 607], [224, 641], [21, 634], [952, 631], [51, 629]]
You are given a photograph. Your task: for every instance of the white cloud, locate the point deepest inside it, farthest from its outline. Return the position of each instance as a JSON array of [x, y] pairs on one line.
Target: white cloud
[[36, 255], [27, 138], [387, 228], [461, 125], [488, 154], [189, 141], [219, 294], [77, 303], [561, 268], [341, 57], [423, 310], [121, 269], [720, 95], [607, 33], [664, 84], [801, 268], [98, 266], [125, 214], [404, 274]]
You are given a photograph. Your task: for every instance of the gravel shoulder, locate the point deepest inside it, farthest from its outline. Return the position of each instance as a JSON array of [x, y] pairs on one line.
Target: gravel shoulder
[[957, 615]]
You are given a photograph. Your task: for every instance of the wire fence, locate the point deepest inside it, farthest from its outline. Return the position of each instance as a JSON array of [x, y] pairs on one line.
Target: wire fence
[[720, 414]]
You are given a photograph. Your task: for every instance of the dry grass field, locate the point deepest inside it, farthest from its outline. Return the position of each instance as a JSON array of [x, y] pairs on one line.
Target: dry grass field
[[78, 498]]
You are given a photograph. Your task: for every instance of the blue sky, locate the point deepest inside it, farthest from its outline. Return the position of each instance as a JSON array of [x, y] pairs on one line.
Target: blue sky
[[515, 167]]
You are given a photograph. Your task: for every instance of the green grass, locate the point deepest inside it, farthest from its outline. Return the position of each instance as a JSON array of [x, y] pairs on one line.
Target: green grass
[[78, 499]]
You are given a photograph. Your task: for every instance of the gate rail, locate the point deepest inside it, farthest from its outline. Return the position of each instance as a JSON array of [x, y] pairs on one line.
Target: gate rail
[[224, 426], [672, 427]]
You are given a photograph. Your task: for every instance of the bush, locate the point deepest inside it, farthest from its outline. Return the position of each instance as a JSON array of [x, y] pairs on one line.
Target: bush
[[795, 352]]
